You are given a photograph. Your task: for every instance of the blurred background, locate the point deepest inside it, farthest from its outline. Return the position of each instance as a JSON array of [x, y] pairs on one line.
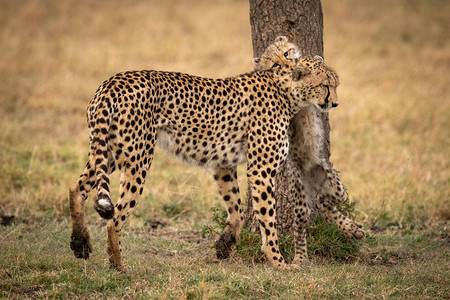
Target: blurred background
[[390, 134]]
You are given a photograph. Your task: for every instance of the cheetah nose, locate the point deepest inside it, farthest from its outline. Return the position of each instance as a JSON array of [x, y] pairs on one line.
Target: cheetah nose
[[334, 104]]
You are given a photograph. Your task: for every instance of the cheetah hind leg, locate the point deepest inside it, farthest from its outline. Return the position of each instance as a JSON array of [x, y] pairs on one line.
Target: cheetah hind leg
[[350, 228], [226, 180], [131, 187], [80, 242], [335, 194], [301, 217]]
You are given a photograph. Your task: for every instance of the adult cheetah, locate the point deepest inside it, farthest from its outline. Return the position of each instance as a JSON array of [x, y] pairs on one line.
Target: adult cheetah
[[213, 123]]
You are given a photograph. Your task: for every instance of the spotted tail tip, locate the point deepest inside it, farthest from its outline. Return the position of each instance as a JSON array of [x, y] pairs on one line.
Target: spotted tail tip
[[104, 207]]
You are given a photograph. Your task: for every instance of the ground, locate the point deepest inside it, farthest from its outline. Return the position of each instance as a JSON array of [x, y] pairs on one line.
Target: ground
[[389, 140]]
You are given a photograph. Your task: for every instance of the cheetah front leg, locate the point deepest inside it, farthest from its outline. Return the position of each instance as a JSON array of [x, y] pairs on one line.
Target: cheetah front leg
[[264, 208], [264, 157], [226, 180], [332, 194]]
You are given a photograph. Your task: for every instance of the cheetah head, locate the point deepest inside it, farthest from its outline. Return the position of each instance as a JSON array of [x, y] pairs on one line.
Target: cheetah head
[[279, 53], [313, 82]]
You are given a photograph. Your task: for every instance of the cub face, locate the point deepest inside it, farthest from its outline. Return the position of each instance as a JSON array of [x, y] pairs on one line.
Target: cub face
[[314, 82], [311, 82], [279, 53]]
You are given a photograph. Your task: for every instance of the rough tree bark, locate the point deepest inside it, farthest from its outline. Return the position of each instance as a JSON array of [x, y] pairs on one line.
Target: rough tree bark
[[302, 22]]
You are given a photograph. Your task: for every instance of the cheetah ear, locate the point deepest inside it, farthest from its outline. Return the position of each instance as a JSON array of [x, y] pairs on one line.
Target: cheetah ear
[[297, 54], [281, 38], [319, 58], [256, 61], [299, 72]]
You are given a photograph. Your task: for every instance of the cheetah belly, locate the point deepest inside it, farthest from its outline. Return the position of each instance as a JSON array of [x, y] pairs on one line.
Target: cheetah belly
[[310, 139], [204, 152]]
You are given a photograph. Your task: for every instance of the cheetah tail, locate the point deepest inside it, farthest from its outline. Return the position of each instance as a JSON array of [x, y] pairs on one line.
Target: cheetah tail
[[102, 121]]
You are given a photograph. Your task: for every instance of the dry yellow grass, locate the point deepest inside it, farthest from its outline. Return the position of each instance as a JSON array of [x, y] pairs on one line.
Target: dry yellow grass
[[391, 134]]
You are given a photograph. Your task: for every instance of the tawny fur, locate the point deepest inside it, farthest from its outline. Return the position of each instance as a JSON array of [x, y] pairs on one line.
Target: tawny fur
[[213, 123]]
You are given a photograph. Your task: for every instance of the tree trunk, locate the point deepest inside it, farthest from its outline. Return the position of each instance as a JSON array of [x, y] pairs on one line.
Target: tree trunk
[[302, 22]]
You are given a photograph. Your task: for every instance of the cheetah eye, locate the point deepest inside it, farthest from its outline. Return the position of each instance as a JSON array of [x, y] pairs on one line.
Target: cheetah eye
[[286, 54], [275, 65]]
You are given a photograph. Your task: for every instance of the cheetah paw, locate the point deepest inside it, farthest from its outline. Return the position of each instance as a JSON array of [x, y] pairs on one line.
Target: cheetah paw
[[300, 261], [80, 245], [286, 267], [119, 268], [354, 230]]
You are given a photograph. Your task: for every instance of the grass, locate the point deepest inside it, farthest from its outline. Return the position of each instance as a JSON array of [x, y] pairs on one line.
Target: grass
[[389, 141], [173, 263]]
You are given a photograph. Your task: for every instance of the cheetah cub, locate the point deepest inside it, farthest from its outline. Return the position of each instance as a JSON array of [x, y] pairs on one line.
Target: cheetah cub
[[306, 152], [279, 53]]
